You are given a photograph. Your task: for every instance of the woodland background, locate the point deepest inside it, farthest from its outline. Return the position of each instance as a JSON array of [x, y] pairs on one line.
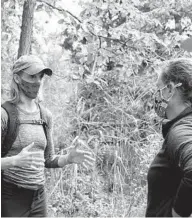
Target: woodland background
[[105, 57]]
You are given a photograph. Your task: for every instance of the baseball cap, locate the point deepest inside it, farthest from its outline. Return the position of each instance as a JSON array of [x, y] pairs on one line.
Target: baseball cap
[[31, 65]]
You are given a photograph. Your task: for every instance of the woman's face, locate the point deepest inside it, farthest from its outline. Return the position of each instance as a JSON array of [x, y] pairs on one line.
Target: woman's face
[[161, 98], [29, 85], [162, 88], [32, 78], [166, 98]]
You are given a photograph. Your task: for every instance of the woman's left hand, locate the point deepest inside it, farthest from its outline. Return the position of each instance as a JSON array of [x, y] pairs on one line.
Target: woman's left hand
[[80, 157]]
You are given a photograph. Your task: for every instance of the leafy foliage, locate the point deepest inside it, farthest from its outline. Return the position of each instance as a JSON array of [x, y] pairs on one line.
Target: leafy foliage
[[105, 64]]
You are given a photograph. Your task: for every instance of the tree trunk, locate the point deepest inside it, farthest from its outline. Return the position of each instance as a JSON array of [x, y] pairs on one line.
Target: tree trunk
[[26, 28], [2, 16]]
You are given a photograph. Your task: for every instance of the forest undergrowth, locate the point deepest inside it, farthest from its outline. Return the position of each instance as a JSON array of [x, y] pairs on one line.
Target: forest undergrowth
[[118, 125], [74, 191], [105, 62]]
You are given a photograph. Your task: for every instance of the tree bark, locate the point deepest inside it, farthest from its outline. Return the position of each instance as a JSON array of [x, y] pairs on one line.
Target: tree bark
[[2, 16], [26, 28]]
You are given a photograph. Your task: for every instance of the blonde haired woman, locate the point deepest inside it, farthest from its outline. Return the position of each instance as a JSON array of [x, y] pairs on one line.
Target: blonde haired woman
[[23, 163]]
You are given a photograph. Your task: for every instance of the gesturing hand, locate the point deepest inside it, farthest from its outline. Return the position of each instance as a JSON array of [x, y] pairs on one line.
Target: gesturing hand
[[80, 157], [27, 158]]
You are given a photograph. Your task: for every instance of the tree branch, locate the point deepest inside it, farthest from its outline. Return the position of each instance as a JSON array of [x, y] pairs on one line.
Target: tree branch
[[99, 42], [60, 9], [90, 32]]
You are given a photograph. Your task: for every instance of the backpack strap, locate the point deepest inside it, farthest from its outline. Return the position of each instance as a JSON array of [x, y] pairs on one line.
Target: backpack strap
[[12, 127], [44, 117], [35, 122]]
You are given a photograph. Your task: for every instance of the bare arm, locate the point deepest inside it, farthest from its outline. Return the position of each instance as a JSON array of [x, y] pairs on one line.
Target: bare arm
[[58, 161]]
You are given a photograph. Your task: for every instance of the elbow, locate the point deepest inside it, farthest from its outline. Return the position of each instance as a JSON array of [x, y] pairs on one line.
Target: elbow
[[52, 163], [47, 164]]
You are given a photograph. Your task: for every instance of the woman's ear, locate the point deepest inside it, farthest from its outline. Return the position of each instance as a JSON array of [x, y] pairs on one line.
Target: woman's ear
[[16, 78], [171, 87]]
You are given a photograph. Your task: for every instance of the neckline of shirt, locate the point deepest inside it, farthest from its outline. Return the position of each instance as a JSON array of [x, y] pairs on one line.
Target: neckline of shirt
[[28, 113]]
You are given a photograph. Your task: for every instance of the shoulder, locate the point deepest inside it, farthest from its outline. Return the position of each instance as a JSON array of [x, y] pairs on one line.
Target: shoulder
[[46, 114], [182, 128], [180, 134]]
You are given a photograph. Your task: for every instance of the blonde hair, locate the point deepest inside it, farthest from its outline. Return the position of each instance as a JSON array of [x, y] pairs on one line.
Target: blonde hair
[[14, 93]]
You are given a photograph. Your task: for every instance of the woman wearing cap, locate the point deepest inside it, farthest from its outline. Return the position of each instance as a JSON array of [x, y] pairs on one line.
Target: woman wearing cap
[[170, 174], [23, 165]]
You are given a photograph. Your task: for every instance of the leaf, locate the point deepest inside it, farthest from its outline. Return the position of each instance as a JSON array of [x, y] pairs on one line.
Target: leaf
[[75, 77], [89, 79], [65, 32], [4, 36], [39, 7], [83, 12], [61, 21], [73, 21], [78, 27], [54, 209], [100, 60], [170, 24], [90, 48], [84, 41], [79, 196], [68, 43], [65, 14], [12, 4], [82, 60], [90, 58], [90, 38]]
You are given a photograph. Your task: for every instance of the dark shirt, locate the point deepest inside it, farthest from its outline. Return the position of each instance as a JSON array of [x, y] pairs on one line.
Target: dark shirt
[[170, 174]]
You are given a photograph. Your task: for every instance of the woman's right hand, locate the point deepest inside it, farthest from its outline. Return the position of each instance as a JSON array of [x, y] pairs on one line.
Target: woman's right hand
[[27, 158]]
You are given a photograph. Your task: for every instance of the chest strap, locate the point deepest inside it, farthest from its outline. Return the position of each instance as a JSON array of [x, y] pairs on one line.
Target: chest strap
[[35, 122]]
